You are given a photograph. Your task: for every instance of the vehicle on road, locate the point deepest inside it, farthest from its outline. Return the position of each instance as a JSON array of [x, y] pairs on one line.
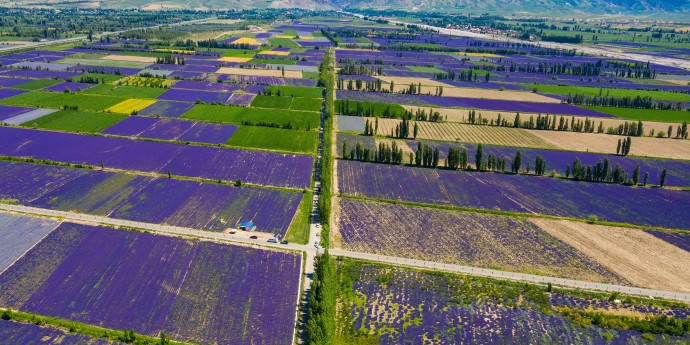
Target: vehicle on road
[[273, 240], [284, 242], [254, 237]]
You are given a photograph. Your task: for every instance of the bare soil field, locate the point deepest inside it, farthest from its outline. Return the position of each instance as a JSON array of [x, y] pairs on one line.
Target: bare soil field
[[429, 86], [640, 258], [447, 131], [129, 58], [259, 72], [461, 115], [234, 59], [592, 142], [403, 82], [159, 7]]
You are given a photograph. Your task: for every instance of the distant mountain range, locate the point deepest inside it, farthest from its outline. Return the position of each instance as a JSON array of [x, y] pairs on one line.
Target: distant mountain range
[[562, 8], [530, 7]]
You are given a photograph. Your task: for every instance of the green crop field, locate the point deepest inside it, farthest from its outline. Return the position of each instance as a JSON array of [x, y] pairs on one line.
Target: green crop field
[[236, 115], [267, 138], [297, 91], [278, 61], [593, 91], [76, 121], [125, 91], [244, 53], [283, 42], [37, 84], [272, 102], [645, 114], [57, 100], [307, 104], [377, 108], [424, 69], [310, 75], [292, 103], [99, 62], [299, 228]]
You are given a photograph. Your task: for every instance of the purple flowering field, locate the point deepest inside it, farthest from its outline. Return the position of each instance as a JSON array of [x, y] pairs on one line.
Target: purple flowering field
[[40, 74], [517, 193], [206, 86], [167, 108], [7, 93], [192, 96], [404, 306], [7, 111], [191, 204], [10, 82], [264, 168], [489, 241], [27, 333], [128, 280], [678, 171], [71, 86], [172, 129]]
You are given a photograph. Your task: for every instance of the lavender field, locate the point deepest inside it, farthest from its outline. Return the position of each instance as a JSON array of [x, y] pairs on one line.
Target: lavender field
[[19, 234], [517, 193], [127, 280], [387, 305], [678, 171], [26, 333], [463, 238], [264, 168], [191, 204], [170, 129]]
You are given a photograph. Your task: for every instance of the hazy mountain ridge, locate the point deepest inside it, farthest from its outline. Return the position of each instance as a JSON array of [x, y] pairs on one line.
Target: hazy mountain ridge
[[562, 8], [527, 7]]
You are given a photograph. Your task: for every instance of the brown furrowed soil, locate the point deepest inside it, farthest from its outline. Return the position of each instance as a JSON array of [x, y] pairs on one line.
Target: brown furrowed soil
[[639, 257], [592, 142], [130, 58], [461, 115], [259, 72], [447, 131], [429, 86]]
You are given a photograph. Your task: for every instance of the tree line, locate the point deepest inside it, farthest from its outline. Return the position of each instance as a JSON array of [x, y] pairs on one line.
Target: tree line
[[637, 102]]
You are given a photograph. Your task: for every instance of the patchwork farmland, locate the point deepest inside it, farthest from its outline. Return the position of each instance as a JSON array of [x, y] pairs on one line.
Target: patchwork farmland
[[288, 177]]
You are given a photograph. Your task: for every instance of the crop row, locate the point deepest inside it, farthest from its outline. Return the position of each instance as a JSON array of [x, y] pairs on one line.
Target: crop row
[[195, 291], [264, 168], [463, 238], [387, 305], [168, 129], [153, 200], [517, 193]]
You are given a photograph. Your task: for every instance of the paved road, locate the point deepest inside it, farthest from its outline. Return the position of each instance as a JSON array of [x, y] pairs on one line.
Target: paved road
[[611, 52], [311, 251], [511, 275], [240, 237]]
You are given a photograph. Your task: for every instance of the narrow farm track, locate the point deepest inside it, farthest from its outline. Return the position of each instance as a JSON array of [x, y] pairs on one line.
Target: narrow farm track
[[510, 275], [311, 251]]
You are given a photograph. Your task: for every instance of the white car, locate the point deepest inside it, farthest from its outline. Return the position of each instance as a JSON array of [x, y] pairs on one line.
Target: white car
[[273, 240]]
